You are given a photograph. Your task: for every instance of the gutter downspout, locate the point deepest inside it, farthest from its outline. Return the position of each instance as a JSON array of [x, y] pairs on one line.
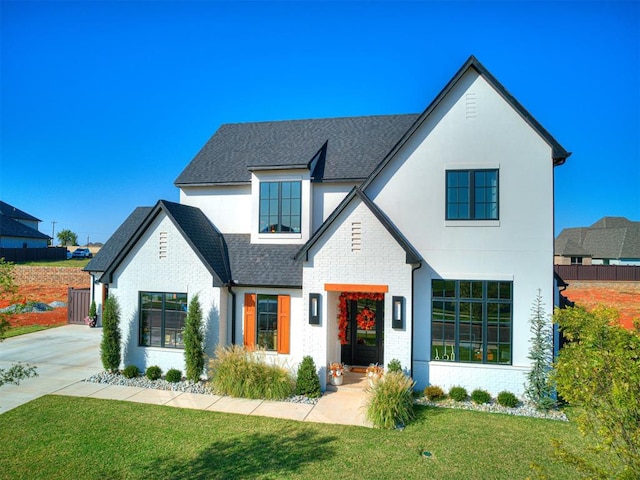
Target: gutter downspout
[[413, 271], [233, 312]]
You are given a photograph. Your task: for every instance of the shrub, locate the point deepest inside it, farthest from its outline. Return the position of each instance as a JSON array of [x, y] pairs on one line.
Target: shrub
[[507, 399], [110, 345], [434, 392], [154, 372], [240, 373], [130, 371], [538, 388], [193, 336], [394, 366], [173, 375], [390, 401], [598, 373], [307, 382], [480, 396], [459, 394]]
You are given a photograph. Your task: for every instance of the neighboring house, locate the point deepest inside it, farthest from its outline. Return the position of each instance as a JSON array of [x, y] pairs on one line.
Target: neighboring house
[[423, 238], [18, 229], [609, 241]]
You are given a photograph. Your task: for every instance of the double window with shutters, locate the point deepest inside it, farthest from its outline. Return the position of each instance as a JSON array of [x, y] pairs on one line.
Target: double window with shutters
[[267, 322]]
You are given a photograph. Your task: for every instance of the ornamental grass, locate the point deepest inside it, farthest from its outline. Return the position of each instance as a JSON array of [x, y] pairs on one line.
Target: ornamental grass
[[238, 372], [390, 401]]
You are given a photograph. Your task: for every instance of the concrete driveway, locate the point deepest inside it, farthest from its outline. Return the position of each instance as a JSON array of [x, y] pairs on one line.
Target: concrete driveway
[[63, 355]]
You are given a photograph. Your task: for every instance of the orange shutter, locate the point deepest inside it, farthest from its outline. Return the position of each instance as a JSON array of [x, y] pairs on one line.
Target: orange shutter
[[249, 320], [284, 330]]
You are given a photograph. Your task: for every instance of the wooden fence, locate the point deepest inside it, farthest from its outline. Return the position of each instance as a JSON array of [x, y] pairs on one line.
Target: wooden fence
[[78, 305], [17, 255], [619, 273]]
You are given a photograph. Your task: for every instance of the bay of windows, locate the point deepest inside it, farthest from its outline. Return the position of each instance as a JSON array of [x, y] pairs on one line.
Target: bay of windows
[[162, 317], [471, 321]]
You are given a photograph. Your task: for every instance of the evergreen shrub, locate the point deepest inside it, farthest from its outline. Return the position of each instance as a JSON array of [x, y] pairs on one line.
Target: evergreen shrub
[[130, 371], [307, 381], [173, 375], [459, 394], [154, 372]]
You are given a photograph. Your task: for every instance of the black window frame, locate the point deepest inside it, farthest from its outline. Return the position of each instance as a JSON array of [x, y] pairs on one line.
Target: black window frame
[[471, 190], [454, 303], [146, 338], [281, 214]]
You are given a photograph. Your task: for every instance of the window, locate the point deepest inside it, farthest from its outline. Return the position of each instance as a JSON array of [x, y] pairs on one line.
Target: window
[[576, 260], [266, 322], [471, 321], [280, 205], [472, 195], [162, 317]]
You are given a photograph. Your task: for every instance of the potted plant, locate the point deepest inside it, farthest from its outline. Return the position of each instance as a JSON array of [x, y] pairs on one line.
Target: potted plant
[[374, 373], [336, 373], [92, 318]]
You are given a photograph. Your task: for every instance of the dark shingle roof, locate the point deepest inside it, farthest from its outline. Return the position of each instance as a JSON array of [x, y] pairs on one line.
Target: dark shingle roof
[[354, 147], [13, 228], [229, 257], [198, 231], [263, 265], [609, 237], [15, 213], [109, 251]]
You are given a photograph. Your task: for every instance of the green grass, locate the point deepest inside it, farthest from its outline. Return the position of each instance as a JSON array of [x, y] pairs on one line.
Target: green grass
[[21, 330], [56, 437], [73, 262]]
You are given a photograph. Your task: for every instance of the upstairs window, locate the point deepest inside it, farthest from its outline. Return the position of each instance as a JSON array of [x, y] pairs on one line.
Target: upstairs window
[[472, 195], [280, 206]]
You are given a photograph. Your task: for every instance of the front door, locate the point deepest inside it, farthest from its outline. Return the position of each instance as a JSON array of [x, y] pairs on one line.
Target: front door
[[365, 332]]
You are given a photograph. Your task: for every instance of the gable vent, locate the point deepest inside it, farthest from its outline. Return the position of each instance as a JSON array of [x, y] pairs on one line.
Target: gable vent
[[162, 246], [471, 107], [356, 236]]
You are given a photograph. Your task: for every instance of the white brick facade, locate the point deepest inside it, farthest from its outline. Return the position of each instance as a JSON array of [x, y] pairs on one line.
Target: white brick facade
[[180, 271], [379, 261]]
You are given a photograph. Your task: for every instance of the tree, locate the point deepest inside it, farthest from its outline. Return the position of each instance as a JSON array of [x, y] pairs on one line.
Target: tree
[[8, 289], [538, 389], [598, 373], [110, 346], [193, 336], [307, 381], [67, 237]]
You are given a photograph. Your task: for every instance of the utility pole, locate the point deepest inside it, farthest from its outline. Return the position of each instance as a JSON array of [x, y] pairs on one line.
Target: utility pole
[[53, 231]]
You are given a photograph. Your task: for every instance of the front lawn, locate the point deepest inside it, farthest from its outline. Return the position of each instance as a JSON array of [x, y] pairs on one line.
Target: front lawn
[[68, 437]]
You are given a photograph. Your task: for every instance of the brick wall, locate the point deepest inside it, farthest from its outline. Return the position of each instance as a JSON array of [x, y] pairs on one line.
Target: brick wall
[[71, 276]]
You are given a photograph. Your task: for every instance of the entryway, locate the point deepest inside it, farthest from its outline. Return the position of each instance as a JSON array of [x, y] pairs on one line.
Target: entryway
[[363, 336]]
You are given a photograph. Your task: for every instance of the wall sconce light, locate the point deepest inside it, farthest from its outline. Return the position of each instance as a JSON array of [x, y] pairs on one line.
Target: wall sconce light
[[397, 320], [314, 309]]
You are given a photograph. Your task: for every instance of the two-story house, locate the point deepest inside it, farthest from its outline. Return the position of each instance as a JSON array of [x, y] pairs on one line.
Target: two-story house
[[422, 237]]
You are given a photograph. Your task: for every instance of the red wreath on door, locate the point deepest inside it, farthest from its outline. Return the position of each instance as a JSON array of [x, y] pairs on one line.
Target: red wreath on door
[[343, 320]]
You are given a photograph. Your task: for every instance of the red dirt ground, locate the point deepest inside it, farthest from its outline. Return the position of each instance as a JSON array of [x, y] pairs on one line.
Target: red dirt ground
[[627, 302], [39, 293]]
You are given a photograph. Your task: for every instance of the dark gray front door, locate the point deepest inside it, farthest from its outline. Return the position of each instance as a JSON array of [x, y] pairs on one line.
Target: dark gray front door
[[365, 333]]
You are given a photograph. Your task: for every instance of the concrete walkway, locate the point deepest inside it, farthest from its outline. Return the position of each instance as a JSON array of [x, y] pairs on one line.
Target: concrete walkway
[[65, 356]]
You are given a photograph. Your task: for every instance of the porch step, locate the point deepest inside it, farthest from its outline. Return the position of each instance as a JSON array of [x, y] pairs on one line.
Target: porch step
[[352, 381]]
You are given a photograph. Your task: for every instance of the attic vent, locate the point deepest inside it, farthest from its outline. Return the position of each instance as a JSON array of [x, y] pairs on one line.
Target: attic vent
[[162, 250], [471, 110], [356, 236]]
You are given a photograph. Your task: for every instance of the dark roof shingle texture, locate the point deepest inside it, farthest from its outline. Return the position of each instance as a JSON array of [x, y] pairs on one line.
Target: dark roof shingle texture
[[355, 146], [608, 238]]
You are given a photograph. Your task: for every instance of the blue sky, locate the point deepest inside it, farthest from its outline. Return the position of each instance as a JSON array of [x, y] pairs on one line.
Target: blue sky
[[104, 103]]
